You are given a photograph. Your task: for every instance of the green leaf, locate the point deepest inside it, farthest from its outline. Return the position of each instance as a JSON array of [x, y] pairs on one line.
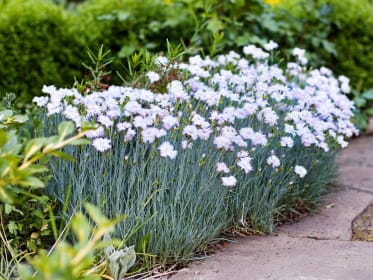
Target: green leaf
[[369, 111], [31, 182], [34, 146], [143, 243], [3, 138], [36, 169], [20, 118], [5, 114], [215, 25], [6, 195], [81, 228], [64, 129], [25, 271], [12, 227], [81, 142], [62, 155], [329, 47], [52, 143], [359, 102], [368, 94], [95, 214]]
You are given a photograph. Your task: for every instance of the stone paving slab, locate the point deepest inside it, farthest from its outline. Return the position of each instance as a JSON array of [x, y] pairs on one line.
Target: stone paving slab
[[360, 178], [358, 153], [286, 258], [334, 220]]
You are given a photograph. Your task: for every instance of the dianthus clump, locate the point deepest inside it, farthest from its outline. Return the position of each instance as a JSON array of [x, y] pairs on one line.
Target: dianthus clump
[[243, 108]]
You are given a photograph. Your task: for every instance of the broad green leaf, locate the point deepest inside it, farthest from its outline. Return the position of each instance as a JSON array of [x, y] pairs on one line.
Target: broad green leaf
[[81, 142], [95, 214], [25, 271], [329, 47], [31, 182], [5, 114], [5, 195], [63, 155], [36, 169], [3, 138], [34, 146], [369, 111], [81, 228], [12, 146], [215, 25], [52, 143], [120, 261], [64, 129], [368, 94], [359, 102], [20, 118]]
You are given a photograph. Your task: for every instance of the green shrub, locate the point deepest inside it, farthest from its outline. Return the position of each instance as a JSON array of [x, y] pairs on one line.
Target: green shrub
[[24, 209], [349, 28], [40, 44]]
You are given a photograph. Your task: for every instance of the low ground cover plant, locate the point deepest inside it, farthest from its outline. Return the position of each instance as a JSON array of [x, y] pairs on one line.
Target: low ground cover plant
[[191, 149]]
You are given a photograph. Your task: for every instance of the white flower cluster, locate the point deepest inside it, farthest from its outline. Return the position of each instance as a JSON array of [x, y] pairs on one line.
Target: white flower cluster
[[239, 104]]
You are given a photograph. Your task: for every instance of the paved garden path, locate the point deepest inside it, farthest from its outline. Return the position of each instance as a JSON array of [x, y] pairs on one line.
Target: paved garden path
[[317, 248]]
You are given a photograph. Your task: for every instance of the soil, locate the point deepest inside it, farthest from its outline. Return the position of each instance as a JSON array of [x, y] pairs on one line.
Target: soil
[[362, 226]]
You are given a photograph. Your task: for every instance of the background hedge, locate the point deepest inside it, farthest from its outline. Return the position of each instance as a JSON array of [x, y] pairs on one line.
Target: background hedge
[[44, 43]]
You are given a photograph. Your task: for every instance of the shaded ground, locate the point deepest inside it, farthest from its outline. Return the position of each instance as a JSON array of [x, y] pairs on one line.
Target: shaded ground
[[323, 246]]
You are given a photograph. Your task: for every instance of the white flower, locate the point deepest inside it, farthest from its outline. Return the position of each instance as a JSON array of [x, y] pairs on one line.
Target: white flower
[[149, 135], [268, 116], [299, 52], [230, 181], [287, 141], [72, 113], [98, 132], [105, 120], [300, 170], [192, 131], [273, 161], [161, 61], [101, 144], [342, 142], [186, 145], [130, 134], [167, 150], [123, 126], [169, 122], [222, 167], [345, 88], [41, 101], [54, 108], [270, 46], [255, 52], [245, 164], [242, 154], [142, 122], [223, 142], [153, 76]]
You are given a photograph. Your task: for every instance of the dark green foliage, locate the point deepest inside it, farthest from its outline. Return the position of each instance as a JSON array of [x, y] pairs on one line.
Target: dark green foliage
[[347, 27], [39, 45]]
